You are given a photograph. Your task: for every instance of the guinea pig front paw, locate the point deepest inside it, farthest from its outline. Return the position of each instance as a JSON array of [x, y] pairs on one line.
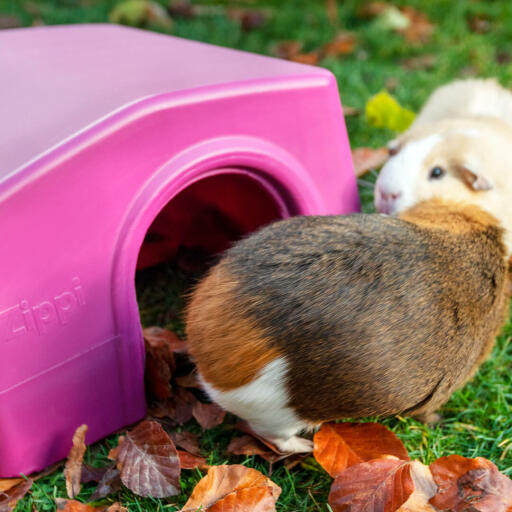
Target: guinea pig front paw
[[294, 444], [428, 417]]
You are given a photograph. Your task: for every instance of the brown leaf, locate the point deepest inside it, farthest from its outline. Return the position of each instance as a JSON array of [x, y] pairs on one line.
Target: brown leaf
[[420, 62], [479, 23], [90, 474], [109, 483], [75, 506], [373, 9], [424, 489], [190, 461], [420, 29], [366, 159], [310, 58], [73, 466], [343, 43], [9, 498], [244, 427], [158, 337], [381, 485], [473, 485], [186, 440], [350, 111], [248, 445], [208, 415], [182, 9], [286, 49], [160, 364], [9, 483], [117, 507], [340, 445], [9, 21], [190, 380], [148, 461], [233, 488]]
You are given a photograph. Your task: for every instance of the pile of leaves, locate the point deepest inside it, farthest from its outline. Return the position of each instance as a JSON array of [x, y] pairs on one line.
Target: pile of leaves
[[371, 468]]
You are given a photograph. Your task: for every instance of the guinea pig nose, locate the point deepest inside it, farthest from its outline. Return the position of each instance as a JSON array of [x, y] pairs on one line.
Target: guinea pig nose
[[389, 196]]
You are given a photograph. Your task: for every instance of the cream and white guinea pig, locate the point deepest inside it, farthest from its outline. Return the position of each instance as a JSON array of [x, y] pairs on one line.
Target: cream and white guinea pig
[[458, 148]]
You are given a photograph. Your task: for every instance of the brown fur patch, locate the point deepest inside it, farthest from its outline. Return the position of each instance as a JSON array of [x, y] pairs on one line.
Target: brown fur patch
[[456, 217], [230, 350]]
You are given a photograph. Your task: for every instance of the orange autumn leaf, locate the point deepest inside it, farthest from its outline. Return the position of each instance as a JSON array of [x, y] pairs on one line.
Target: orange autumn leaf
[[470, 484], [9, 498], [73, 467], [424, 489], [75, 506], [190, 461], [381, 485], [148, 461], [340, 445], [9, 483], [366, 159], [233, 488], [420, 28]]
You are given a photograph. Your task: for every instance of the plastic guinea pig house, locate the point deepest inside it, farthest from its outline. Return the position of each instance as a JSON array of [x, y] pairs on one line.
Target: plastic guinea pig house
[[105, 132]]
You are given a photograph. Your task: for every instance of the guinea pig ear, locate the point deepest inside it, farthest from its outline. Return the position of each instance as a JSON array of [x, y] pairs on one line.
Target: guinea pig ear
[[474, 180], [394, 146]]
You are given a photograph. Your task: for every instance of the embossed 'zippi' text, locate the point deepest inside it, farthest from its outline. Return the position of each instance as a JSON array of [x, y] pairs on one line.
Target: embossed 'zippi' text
[[23, 318]]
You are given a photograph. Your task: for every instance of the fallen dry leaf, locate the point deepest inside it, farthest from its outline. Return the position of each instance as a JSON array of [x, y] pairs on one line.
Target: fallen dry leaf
[[310, 58], [366, 159], [148, 461], [90, 474], [470, 485], [372, 9], [190, 380], [161, 347], [208, 415], [182, 9], [343, 43], [424, 489], [249, 19], [186, 440], [190, 461], [248, 445], [8, 499], [479, 23], [9, 483], [73, 466], [109, 483], [420, 62], [117, 507], [233, 488], [420, 29], [178, 408], [286, 49], [75, 506], [381, 485], [340, 445], [158, 337]]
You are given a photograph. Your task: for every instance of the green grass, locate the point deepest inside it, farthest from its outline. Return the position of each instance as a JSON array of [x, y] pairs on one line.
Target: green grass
[[477, 420]]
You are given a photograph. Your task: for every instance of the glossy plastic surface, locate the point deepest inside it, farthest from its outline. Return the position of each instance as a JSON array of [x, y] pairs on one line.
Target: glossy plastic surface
[[100, 128]]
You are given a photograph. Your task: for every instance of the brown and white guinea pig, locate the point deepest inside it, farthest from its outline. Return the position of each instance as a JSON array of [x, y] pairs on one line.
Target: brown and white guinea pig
[[457, 149], [326, 317]]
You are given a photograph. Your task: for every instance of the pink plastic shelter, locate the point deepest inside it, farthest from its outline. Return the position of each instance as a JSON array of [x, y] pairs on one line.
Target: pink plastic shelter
[[102, 129]]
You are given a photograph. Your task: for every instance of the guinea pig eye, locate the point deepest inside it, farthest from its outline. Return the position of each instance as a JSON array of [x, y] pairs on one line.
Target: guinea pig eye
[[436, 173]]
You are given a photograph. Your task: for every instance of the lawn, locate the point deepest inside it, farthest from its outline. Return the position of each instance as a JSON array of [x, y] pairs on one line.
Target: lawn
[[477, 420]]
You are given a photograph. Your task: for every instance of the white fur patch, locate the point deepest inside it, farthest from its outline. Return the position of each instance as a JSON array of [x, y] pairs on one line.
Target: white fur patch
[[263, 402], [401, 173]]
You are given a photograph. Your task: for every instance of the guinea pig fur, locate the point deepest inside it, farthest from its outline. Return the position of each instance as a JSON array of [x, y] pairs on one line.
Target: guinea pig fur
[[326, 317], [464, 159], [474, 97]]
